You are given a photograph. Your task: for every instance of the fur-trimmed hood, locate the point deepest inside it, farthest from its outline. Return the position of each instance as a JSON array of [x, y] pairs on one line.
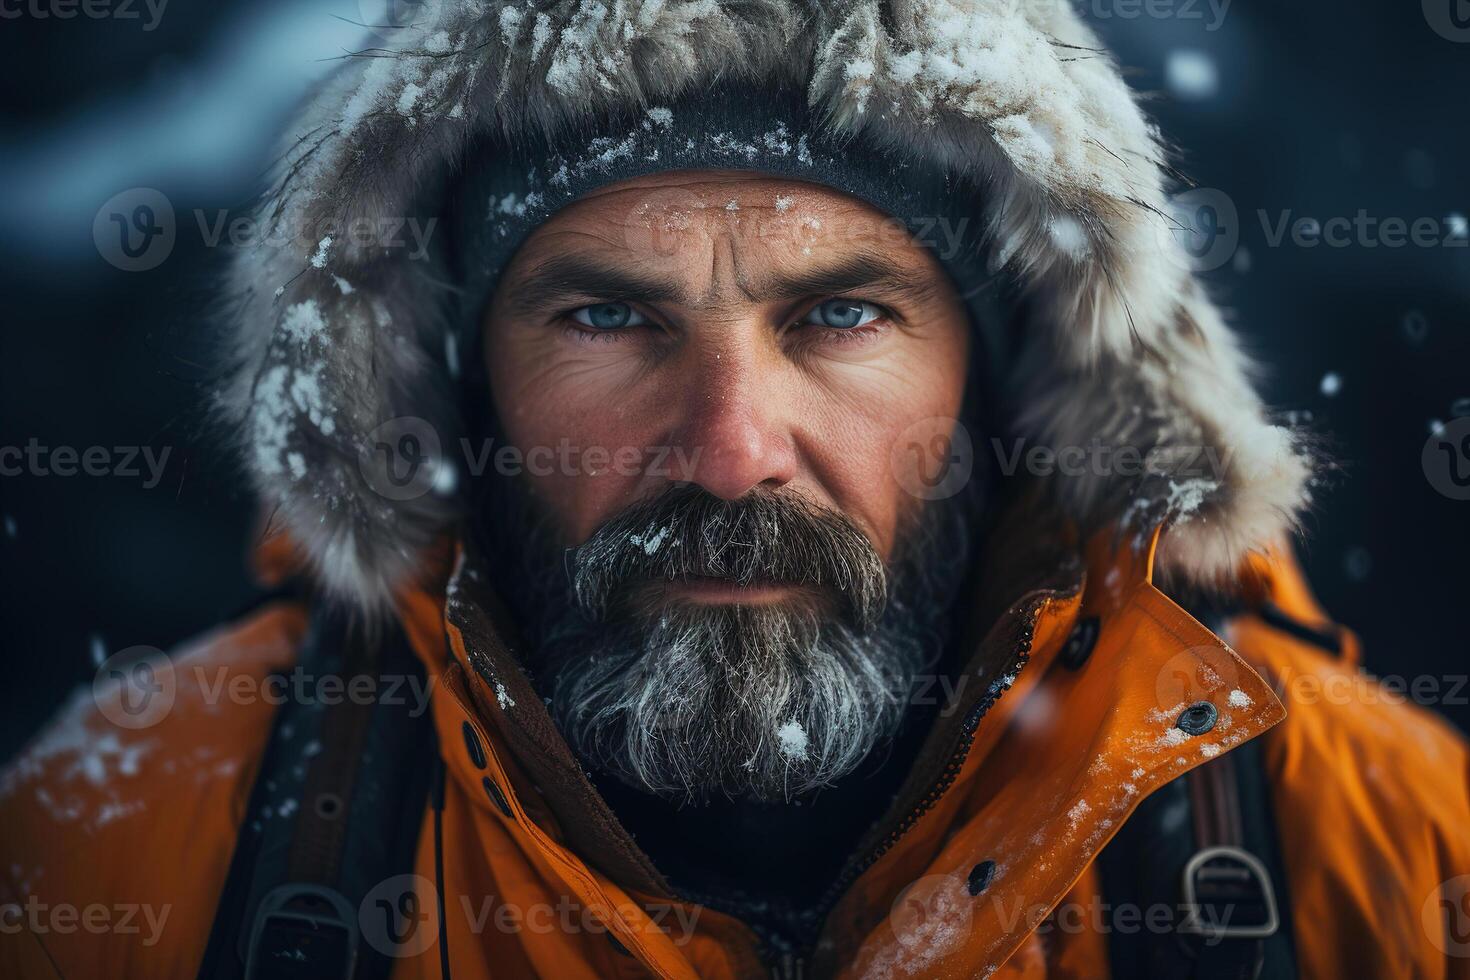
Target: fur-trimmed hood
[[341, 320]]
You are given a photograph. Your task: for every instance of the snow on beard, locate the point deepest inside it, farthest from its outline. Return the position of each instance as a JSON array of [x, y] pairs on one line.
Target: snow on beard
[[771, 701]]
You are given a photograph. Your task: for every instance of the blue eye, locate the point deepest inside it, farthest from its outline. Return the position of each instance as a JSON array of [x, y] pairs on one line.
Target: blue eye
[[608, 316], [843, 314]]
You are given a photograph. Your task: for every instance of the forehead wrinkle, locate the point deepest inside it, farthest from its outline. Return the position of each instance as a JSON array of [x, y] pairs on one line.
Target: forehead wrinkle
[[724, 272]]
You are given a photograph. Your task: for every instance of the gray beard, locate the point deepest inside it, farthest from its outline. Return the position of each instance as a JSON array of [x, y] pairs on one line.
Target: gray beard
[[763, 702]]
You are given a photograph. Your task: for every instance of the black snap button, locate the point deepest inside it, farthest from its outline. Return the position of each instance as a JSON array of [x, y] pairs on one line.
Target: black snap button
[[1198, 718], [1079, 645], [472, 743], [329, 806], [981, 876], [496, 797]]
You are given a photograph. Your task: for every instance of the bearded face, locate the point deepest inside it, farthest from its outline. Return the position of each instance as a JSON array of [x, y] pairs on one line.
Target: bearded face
[[750, 624]]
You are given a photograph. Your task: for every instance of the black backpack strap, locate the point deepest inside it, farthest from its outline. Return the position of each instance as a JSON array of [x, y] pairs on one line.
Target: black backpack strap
[[335, 811], [1204, 847]]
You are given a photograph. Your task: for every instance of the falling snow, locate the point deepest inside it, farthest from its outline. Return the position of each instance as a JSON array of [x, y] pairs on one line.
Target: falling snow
[[1191, 75]]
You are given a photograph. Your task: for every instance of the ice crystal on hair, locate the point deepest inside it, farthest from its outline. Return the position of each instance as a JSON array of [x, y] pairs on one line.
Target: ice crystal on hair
[[323, 249], [303, 321], [793, 740]]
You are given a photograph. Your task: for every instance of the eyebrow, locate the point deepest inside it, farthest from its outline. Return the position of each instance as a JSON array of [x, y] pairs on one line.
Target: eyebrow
[[872, 271], [565, 278]]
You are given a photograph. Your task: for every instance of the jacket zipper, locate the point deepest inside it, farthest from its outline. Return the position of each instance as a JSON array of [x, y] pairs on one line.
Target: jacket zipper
[[791, 967]]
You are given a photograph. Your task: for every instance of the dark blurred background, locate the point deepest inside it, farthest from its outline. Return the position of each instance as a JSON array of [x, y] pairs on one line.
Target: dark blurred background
[[1304, 110]]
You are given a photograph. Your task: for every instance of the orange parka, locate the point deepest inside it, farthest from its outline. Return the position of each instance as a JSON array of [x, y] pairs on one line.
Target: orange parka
[[116, 842]]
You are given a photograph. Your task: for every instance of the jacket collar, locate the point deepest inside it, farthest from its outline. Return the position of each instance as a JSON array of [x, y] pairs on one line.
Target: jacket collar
[[1035, 760]]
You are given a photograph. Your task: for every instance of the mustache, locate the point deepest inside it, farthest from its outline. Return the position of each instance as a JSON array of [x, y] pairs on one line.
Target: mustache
[[763, 536]]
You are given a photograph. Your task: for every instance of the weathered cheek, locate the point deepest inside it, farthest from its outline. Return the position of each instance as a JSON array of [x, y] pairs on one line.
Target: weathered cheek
[[583, 458], [881, 445]]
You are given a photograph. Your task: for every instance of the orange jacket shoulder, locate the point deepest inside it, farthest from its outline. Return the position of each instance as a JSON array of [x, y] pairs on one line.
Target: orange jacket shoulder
[[1371, 795], [118, 822]]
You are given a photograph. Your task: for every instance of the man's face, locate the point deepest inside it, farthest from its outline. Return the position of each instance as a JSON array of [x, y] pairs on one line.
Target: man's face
[[751, 357]]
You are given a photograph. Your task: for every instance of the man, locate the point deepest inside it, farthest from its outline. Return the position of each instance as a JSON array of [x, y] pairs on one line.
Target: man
[[771, 475]]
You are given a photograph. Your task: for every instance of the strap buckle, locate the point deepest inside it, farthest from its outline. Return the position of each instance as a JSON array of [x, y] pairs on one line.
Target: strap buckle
[[1228, 894], [305, 931]]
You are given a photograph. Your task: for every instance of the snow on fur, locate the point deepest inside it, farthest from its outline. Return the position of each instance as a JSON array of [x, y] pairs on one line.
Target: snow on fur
[[334, 336]]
